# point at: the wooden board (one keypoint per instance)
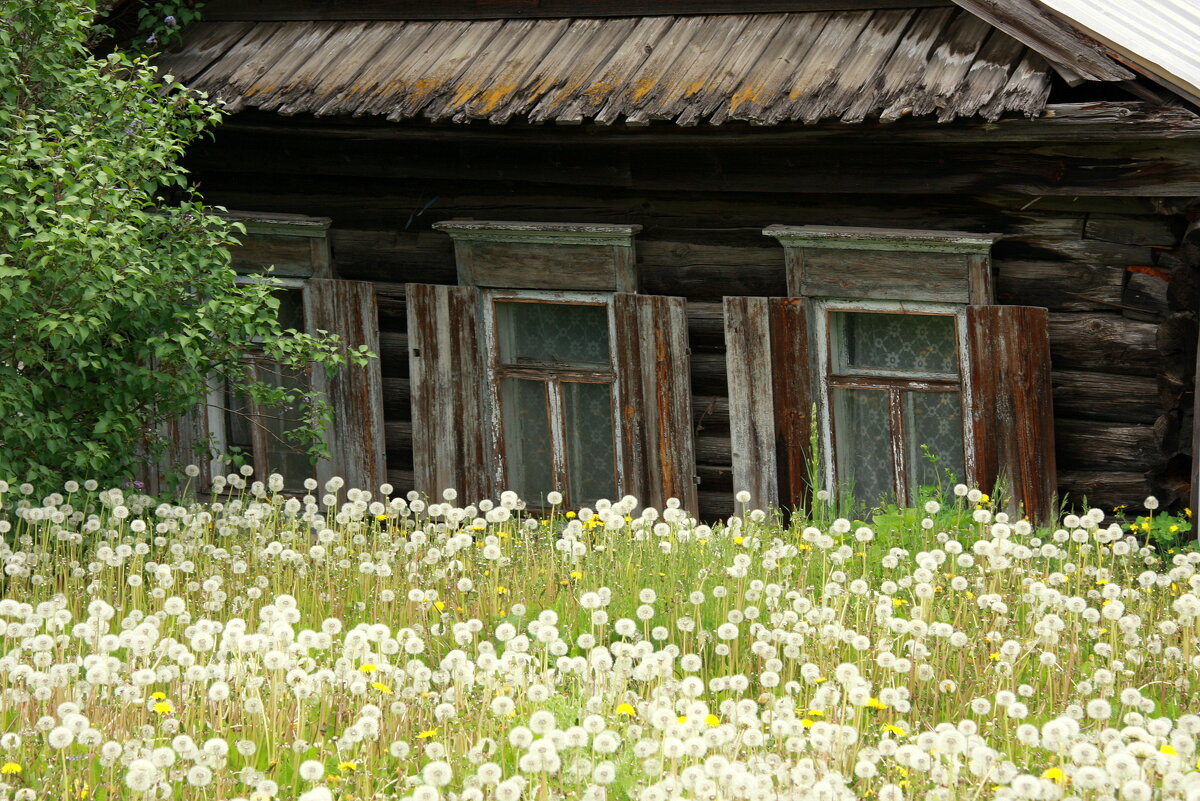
(1012, 418)
(447, 375)
(657, 452)
(505, 9)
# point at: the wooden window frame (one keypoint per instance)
(218, 398)
(829, 380)
(554, 378)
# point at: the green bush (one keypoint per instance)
(116, 306)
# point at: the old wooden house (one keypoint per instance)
(632, 246)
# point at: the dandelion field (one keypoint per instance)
(348, 646)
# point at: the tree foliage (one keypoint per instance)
(116, 306)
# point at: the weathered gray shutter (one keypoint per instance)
(446, 374)
(770, 398)
(657, 453)
(1012, 411)
(355, 440)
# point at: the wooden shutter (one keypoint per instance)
(770, 398)
(446, 369)
(355, 440)
(657, 452)
(1012, 412)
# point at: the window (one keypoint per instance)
(895, 396)
(297, 248)
(568, 381)
(259, 433)
(554, 389)
(892, 337)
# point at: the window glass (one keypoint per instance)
(863, 430)
(552, 334)
(591, 451)
(915, 344)
(281, 455)
(934, 419)
(291, 308)
(527, 441)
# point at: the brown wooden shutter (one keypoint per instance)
(657, 455)
(355, 440)
(1012, 411)
(770, 398)
(447, 380)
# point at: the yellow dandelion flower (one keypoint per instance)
(994, 656)
(575, 574)
(984, 497)
(626, 709)
(346, 767)
(1168, 750)
(898, 602)
(682, 718)
(501, 590)
(896, 730)
(712, 720)
(818, 680)
(438, 605)
(159, 696)
(815, 713)
(383, 688)
(381, 517)
(875, 703)
(1054, 774)
(570, 515)
(806, 723)
(662, 575)
(164, 707)
(738, 540)
(425, 735)
(368, 667)
(10, 768)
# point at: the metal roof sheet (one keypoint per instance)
(1160, 38)
(758, 68)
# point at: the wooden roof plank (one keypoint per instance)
(747, 51)
(820, 63)
(762, 68)
(947, 67)
(590, 55)
(693, 69)
(208, 42)
(989, 74)
(415, 77)
(277, 78)
(904, 68)
(624, 61)
(561, 64)
(652, 72)
(767, 80)
(220, 77)
(370, 66)
(326, 74)
(1026, 92)
(859, 68)
(1037, 28)
(507, 93)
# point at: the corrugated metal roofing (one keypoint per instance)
(1159, 37)
(760, 68)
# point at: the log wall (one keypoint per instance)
(1083, 236)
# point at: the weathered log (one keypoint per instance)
(1087, 444)
(1103, 342)
(1106, 397)
(1145, 296)
(1102, 489)
(1059, 285)
(1146, 230)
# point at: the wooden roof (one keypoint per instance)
(765, 68)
